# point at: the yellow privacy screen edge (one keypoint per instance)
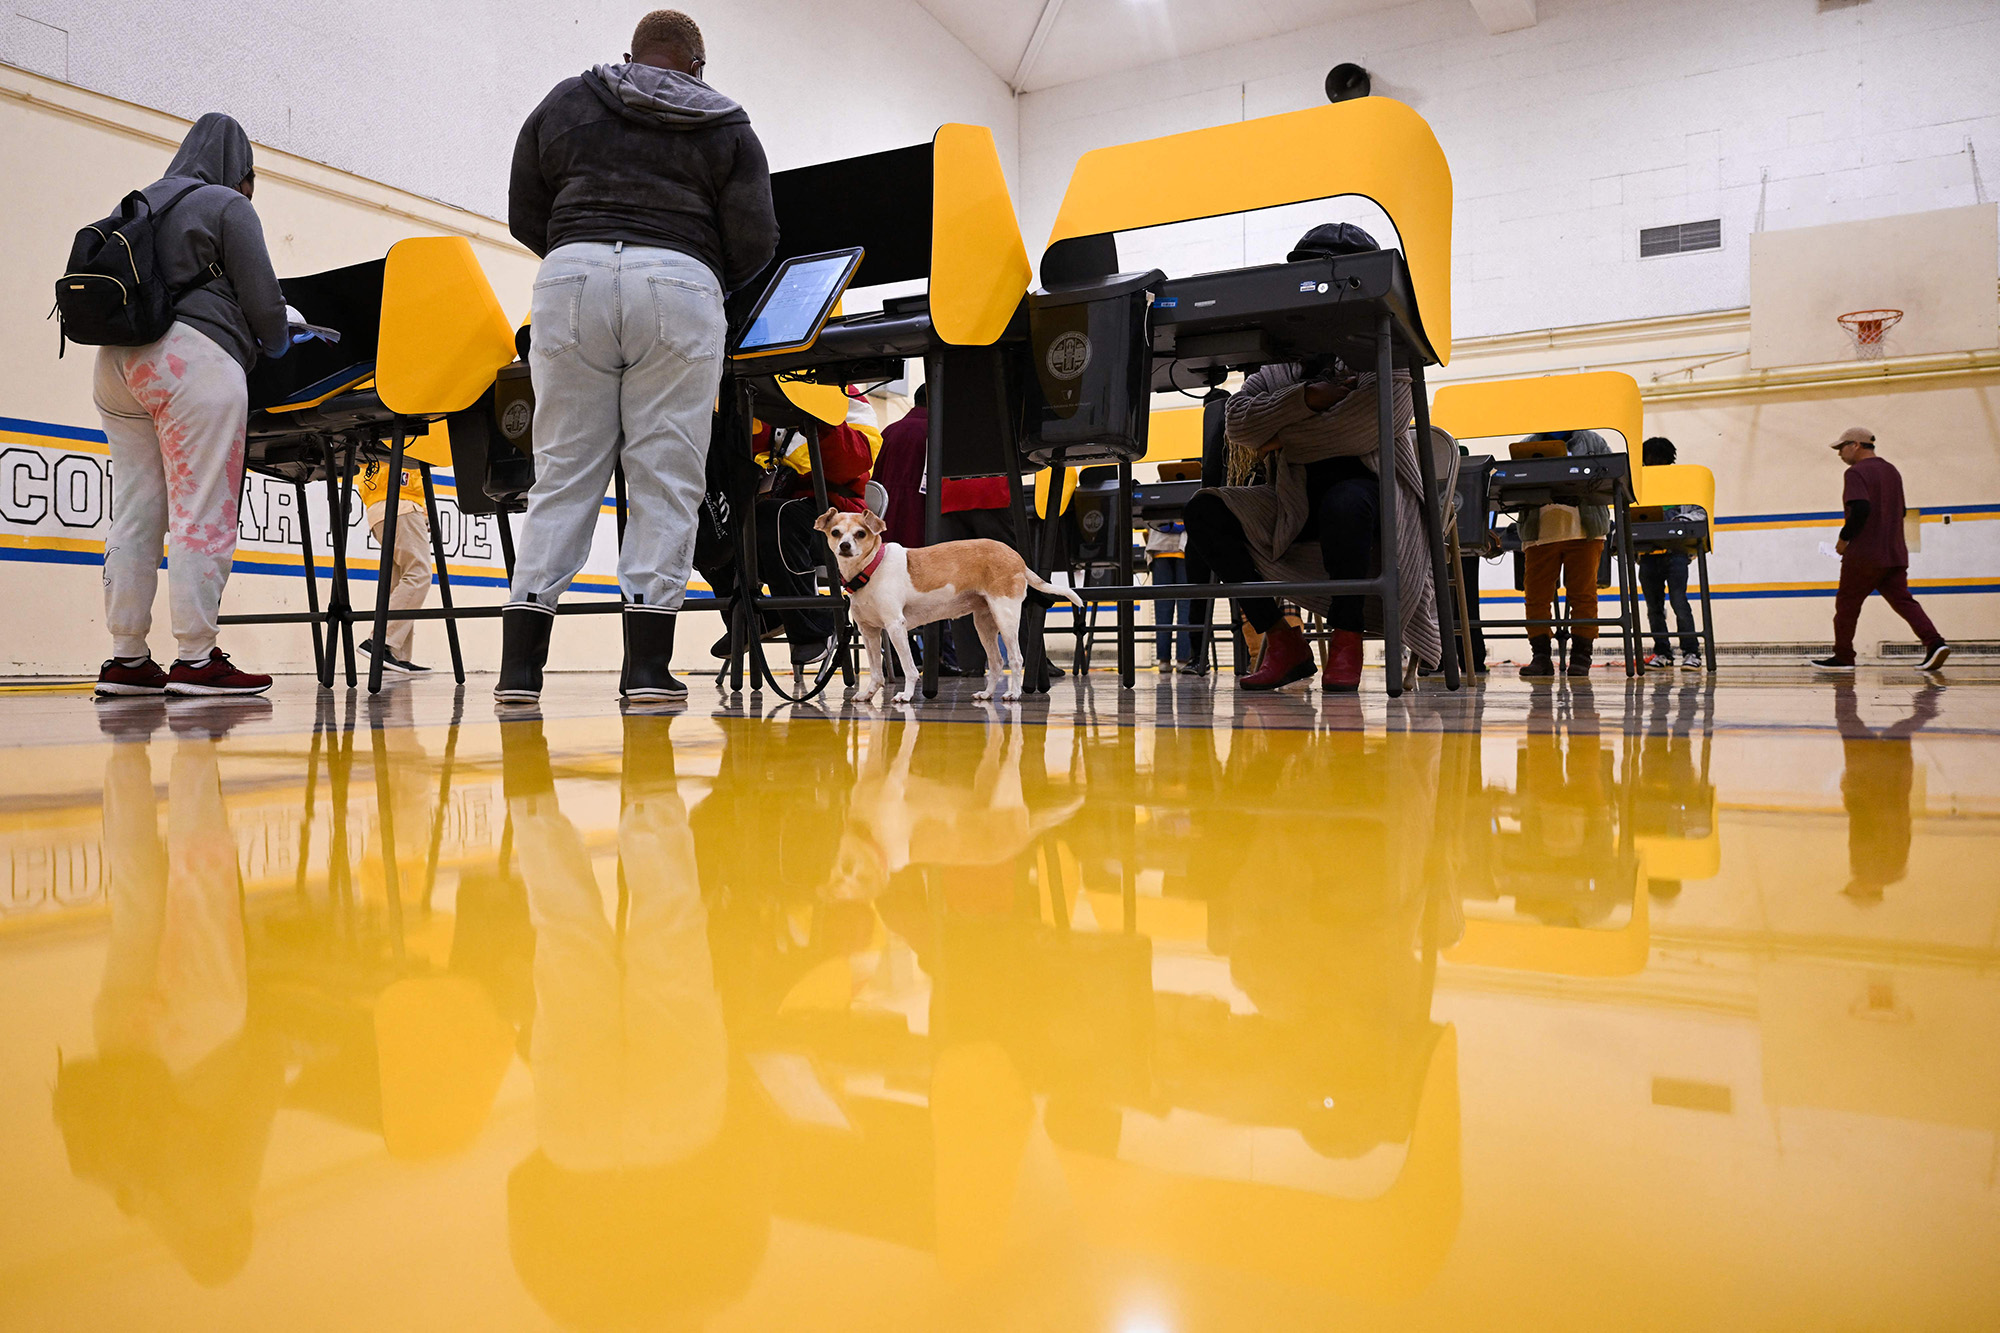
(1595, 400)
(444, 336)
(1375, 147)
(979, 265)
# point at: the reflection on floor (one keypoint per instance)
(1664, 1003)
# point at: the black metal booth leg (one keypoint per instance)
(1128, 639)
(443, 575)
(312, 578)
(934, 510)
(1707, 614)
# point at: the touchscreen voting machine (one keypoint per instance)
(796, 304)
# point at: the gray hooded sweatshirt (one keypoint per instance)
(244, 309)
(646, 156)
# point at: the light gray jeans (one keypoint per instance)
(173, 412)
(626, 357)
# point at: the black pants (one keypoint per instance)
(1344, 508)
(787, 543)
(994, 525)
(1468, 568)
(1664, 574)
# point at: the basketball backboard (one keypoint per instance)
(1941, 269)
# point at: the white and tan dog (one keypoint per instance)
(890, 588)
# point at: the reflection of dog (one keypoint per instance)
(897, 817)
(891, 588)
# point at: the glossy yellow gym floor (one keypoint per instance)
(1671, 1004)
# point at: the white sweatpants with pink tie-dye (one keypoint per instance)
(174, 413)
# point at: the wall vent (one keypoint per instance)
(1680, 238)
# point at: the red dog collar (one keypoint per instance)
(860, 581)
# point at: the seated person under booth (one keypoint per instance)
(788, 549)
(1315, 431)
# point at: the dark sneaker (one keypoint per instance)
(1830, 664)
(143, 676)
(390, 662)
(811, 651)
(1935, 659)
(215, 675)
(1192, 669)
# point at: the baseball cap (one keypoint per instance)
(1854, 435)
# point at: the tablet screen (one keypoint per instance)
(798, 301)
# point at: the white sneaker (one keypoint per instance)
(1659, 662)
(1694, 662)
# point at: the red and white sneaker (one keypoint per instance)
(216, 675)
(137, 676)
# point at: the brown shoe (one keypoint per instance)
(1540, 665)
(1287, 657)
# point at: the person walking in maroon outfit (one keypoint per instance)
(1873, 555)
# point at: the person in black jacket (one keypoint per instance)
(647, 195)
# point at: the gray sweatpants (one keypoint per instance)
(174, 413)
(627, 355)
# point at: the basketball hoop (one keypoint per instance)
(1868, 326)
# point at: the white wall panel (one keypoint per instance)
(428, 97)
(1607, 116)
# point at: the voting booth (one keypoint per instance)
(421, 336)
(1386, 310)
(1594, 400)
(937, 213)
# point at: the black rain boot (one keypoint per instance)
(1540, 665)
(1579, 658)
(524, 650)
(649, 655)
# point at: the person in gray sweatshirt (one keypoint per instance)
(647, 195)
(174, 413)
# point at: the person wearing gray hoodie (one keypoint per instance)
(647, 195)
(174, 413)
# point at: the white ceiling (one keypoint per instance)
(1080, 39)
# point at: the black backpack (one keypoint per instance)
(112, 295)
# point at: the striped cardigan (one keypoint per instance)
(1272, 406)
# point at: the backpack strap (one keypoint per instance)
(213, 271)
(210, 274)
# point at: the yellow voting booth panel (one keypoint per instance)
(979, 265)
(1682, 484)
(444, 336)
(1595, 400)
(1374, 147)
(1174, 437)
